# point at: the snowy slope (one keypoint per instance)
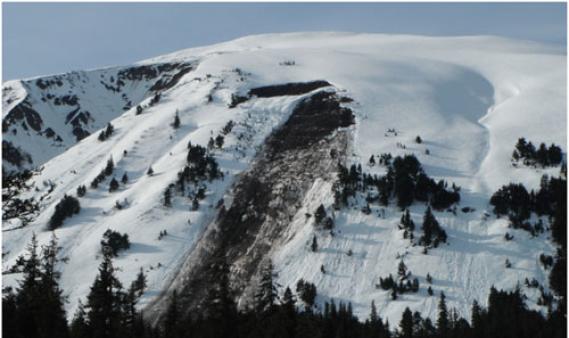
(469, 98)
(42, 117)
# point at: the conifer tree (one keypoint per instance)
(477, 314)
(432, 232)
(406, 324)
(150, 171)
(81, 190)
(267, 292)
(402, 270)
(79, 327)
(167, 197)
(319, 214)
(110, 167)
(52, 316)
(105, 301)
(314, 245)
(176, 123)
(171, 326)
(443, 319)
(113, 185)
(124, 178)
(139, 284)
(219, 139)
(29, 293)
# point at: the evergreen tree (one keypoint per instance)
(432, 231)
(167, 197)
(105, 301)
(402, 270)
(319, 214)
(477, 316)
(81, 190)
(52, 316)
(150, 171)
(38, 302)
(139, 284)
(443, 319)
(371, 161)
(542, 155)
(124, 178)
(555, 155)
(113, 242)
(220, 307)
(171, 326)
(110, 167)
(114, 185)
(29, 293)
(176, 123)
(406, 324)
(267, 293)
(314, 245)
(307, 293)
(219, 139)
(67, 207)
(79, 327)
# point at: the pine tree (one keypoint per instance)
(477, 316)
(407, 222)
(211, 144)
(176, 123)
(195, 204)
(105, 301)
(432, 232)
(150, 171)
(373, 317)
(267, 292)
(219, 139)
(171, 326)
(67, 207)
(220, 307)
(79, 327)
(167, 197)
(109, 131)
(406, 324)
(314, 245)
(371, 161)
(81, 190)
(402, 270)
(319, 214)
(139, 284)
(124, 178)
(443, 319)
(114, 185)
(29, 293)
(110, 167)
(52, 315)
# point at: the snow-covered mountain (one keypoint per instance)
(468, 98)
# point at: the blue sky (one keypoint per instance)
(46, 38)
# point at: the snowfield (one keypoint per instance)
(469, 99)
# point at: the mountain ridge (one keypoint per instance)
(463, 96)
